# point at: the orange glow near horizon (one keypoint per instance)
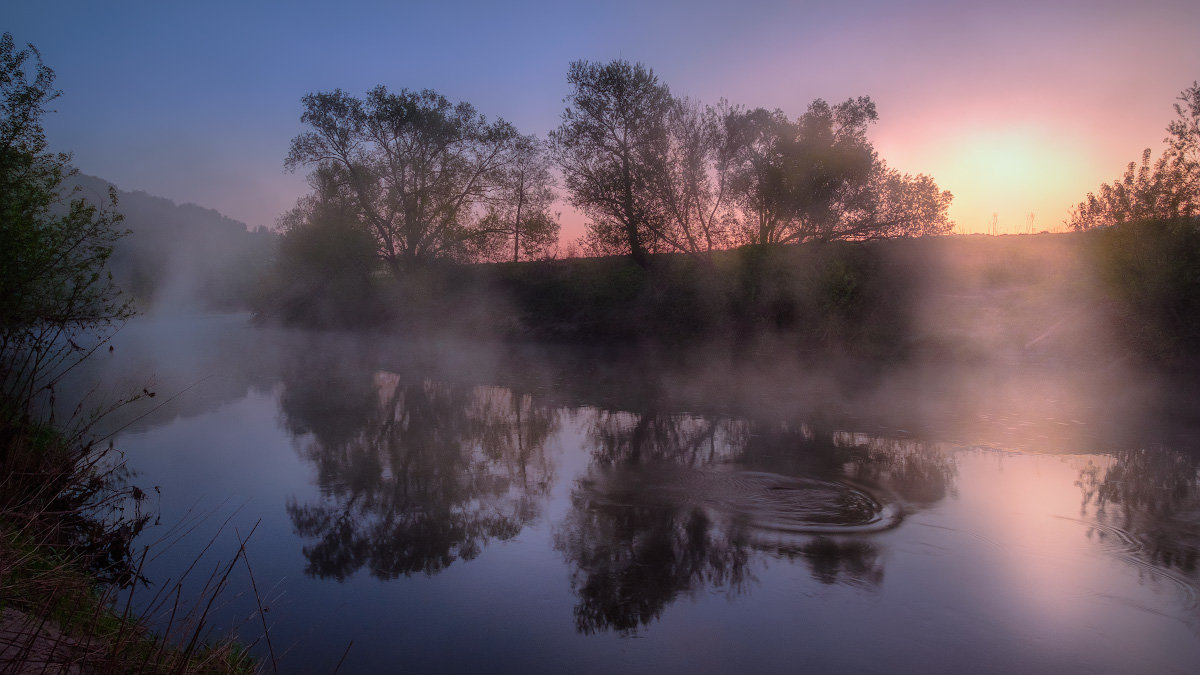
(1013, 174)
(1010, 171)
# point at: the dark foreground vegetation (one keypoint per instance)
(68, 516)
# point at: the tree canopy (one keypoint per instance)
(818, 178)
(611, 147)
(519, 222)
(1165, 189)
(54, 289)
(654, 172)
(414, 169)
(428, 179)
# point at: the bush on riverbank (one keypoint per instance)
(839, 296)
(1150, 272)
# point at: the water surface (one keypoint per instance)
(460, 506)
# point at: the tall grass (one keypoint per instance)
(69, 572)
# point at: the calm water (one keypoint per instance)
(436, 506)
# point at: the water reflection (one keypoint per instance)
(849, 511)
(414, 475)
(674, 504)
(632, 554)
(1147, 501)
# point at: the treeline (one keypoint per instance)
(405, 183)
(427, 180)
(703, 221)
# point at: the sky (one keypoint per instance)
(1018, 108)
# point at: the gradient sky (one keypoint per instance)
(1016, 107)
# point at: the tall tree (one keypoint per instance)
(611, 147)
(1165, 189)
(418, 167)
(694, 191)
(519, 221)
(818, 178)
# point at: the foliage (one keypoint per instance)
(1167, 188)
(518, 219)
(656, 173)
(1150, 271)
(412, 168)
(693, 190)
(818, 178)
(55, 295)
(323, 273)
(611, 147)
(839, 297)
(57, 305)
(55, 618)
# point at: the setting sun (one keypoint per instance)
(1012, 173)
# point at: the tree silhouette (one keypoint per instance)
(519, 222)
(1165, 189)
(818, 178)
(415, 167)
(56, 295)
(611, 147)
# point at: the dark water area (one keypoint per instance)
(467, 506)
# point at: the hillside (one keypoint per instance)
(182, 256)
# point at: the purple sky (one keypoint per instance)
(1016, 107)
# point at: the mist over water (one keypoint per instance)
(966, 502)
(966, 506)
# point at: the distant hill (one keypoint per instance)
(180, 257)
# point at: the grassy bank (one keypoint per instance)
(68, 571)
(1128, 290)
(57, 616)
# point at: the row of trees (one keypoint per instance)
(425, 179)
(658, 173)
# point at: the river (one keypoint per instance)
(459, 505)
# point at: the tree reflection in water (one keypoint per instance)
(1149, 501)
(633, 552)
(414, 475)
(678, 503)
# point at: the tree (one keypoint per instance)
(518, 220)
(58, 305)
(326, 259)
(418, 168)
(1167, 189)
(611, 147)
(693, 190)
(56, 296)
(818, 178)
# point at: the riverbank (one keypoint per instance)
(1126, 292)
(68, 572)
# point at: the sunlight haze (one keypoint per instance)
(1016, 108)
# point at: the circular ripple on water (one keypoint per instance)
(792, 504)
